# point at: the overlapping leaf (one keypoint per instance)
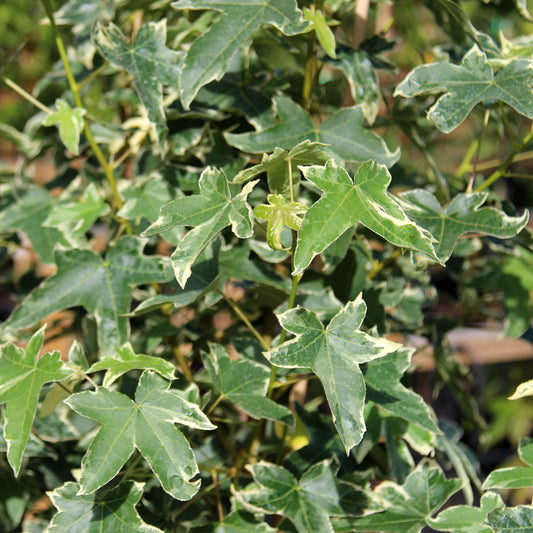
(461, 215)
(70, 123)
(22, 375)
(208, 213)
(150, 63)
(236, 522)
(103, 287)
(111, 510)
(517, 519)
(343, 132)
(145, 201)
(128, 360)
(211, 53)
(468, 84)
(307, 503)
(409, 506)
(146, 423)
(334, 354)
(383, 386)
(28, 215)
(466, 519)
(346, 202)
(245, 383)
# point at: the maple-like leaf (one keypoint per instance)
(102, 286)
(245, 383)
(145, 201)
(22, 375)
(461, 215)
(334, 354)
(146, 423)
(278, 214)
(208, 212)
(467, 519)
(383, 386)
(28, 215)
(210, 54)
(150, 63)
(343, 132)
(128, 360)
(468, 84)
(111, 510)
(70, 123)
(409, 506)
(236, 522)
(282, 165)
(346, 202)
(307, 502)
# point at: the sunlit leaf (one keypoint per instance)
(70, 123)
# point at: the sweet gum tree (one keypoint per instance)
(247, 219)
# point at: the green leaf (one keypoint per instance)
(466, 519)
(236, 522)
(204, 274)
(323, 32)
(22, 376)
(346, 202)
(82, 14)
(210, 54)
(75, 218)
(334, 354)
(276, 165)
(208, 213)
(384, 387)
(278, 214)
(245, 383)
(150, 63)
(359, 72)
(128, 360)
(146, 423)
(28, 215)
(307, 503)
(343, 131)
(70, 123)
(460, 216)
(145, 201)
(468, 84)
(521, 6)
(103, 287)
(110, 510)
(409, 506)
(512, 519)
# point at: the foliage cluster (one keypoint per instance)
(246, 261)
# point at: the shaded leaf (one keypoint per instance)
(343, 132)
(146, 423)
(468, 84)
(334, 354)
(103, 287)
(70, 123)
(28, 215)
(208, 212)
(460, 216)
(307, 503)
(236, 522)
(409, 506)
(145, 201)
(111, 510)
(150, 63)
(22, 376)
(346, 202)
(128, 360)
(384, 387)
(207, 59)
(245, 383)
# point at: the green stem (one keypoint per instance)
(478, 151)
(500, 171)
(18, 89)
(92, 75)
(75, 88)
(309, 76)
(244, 318)
(183, 363)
